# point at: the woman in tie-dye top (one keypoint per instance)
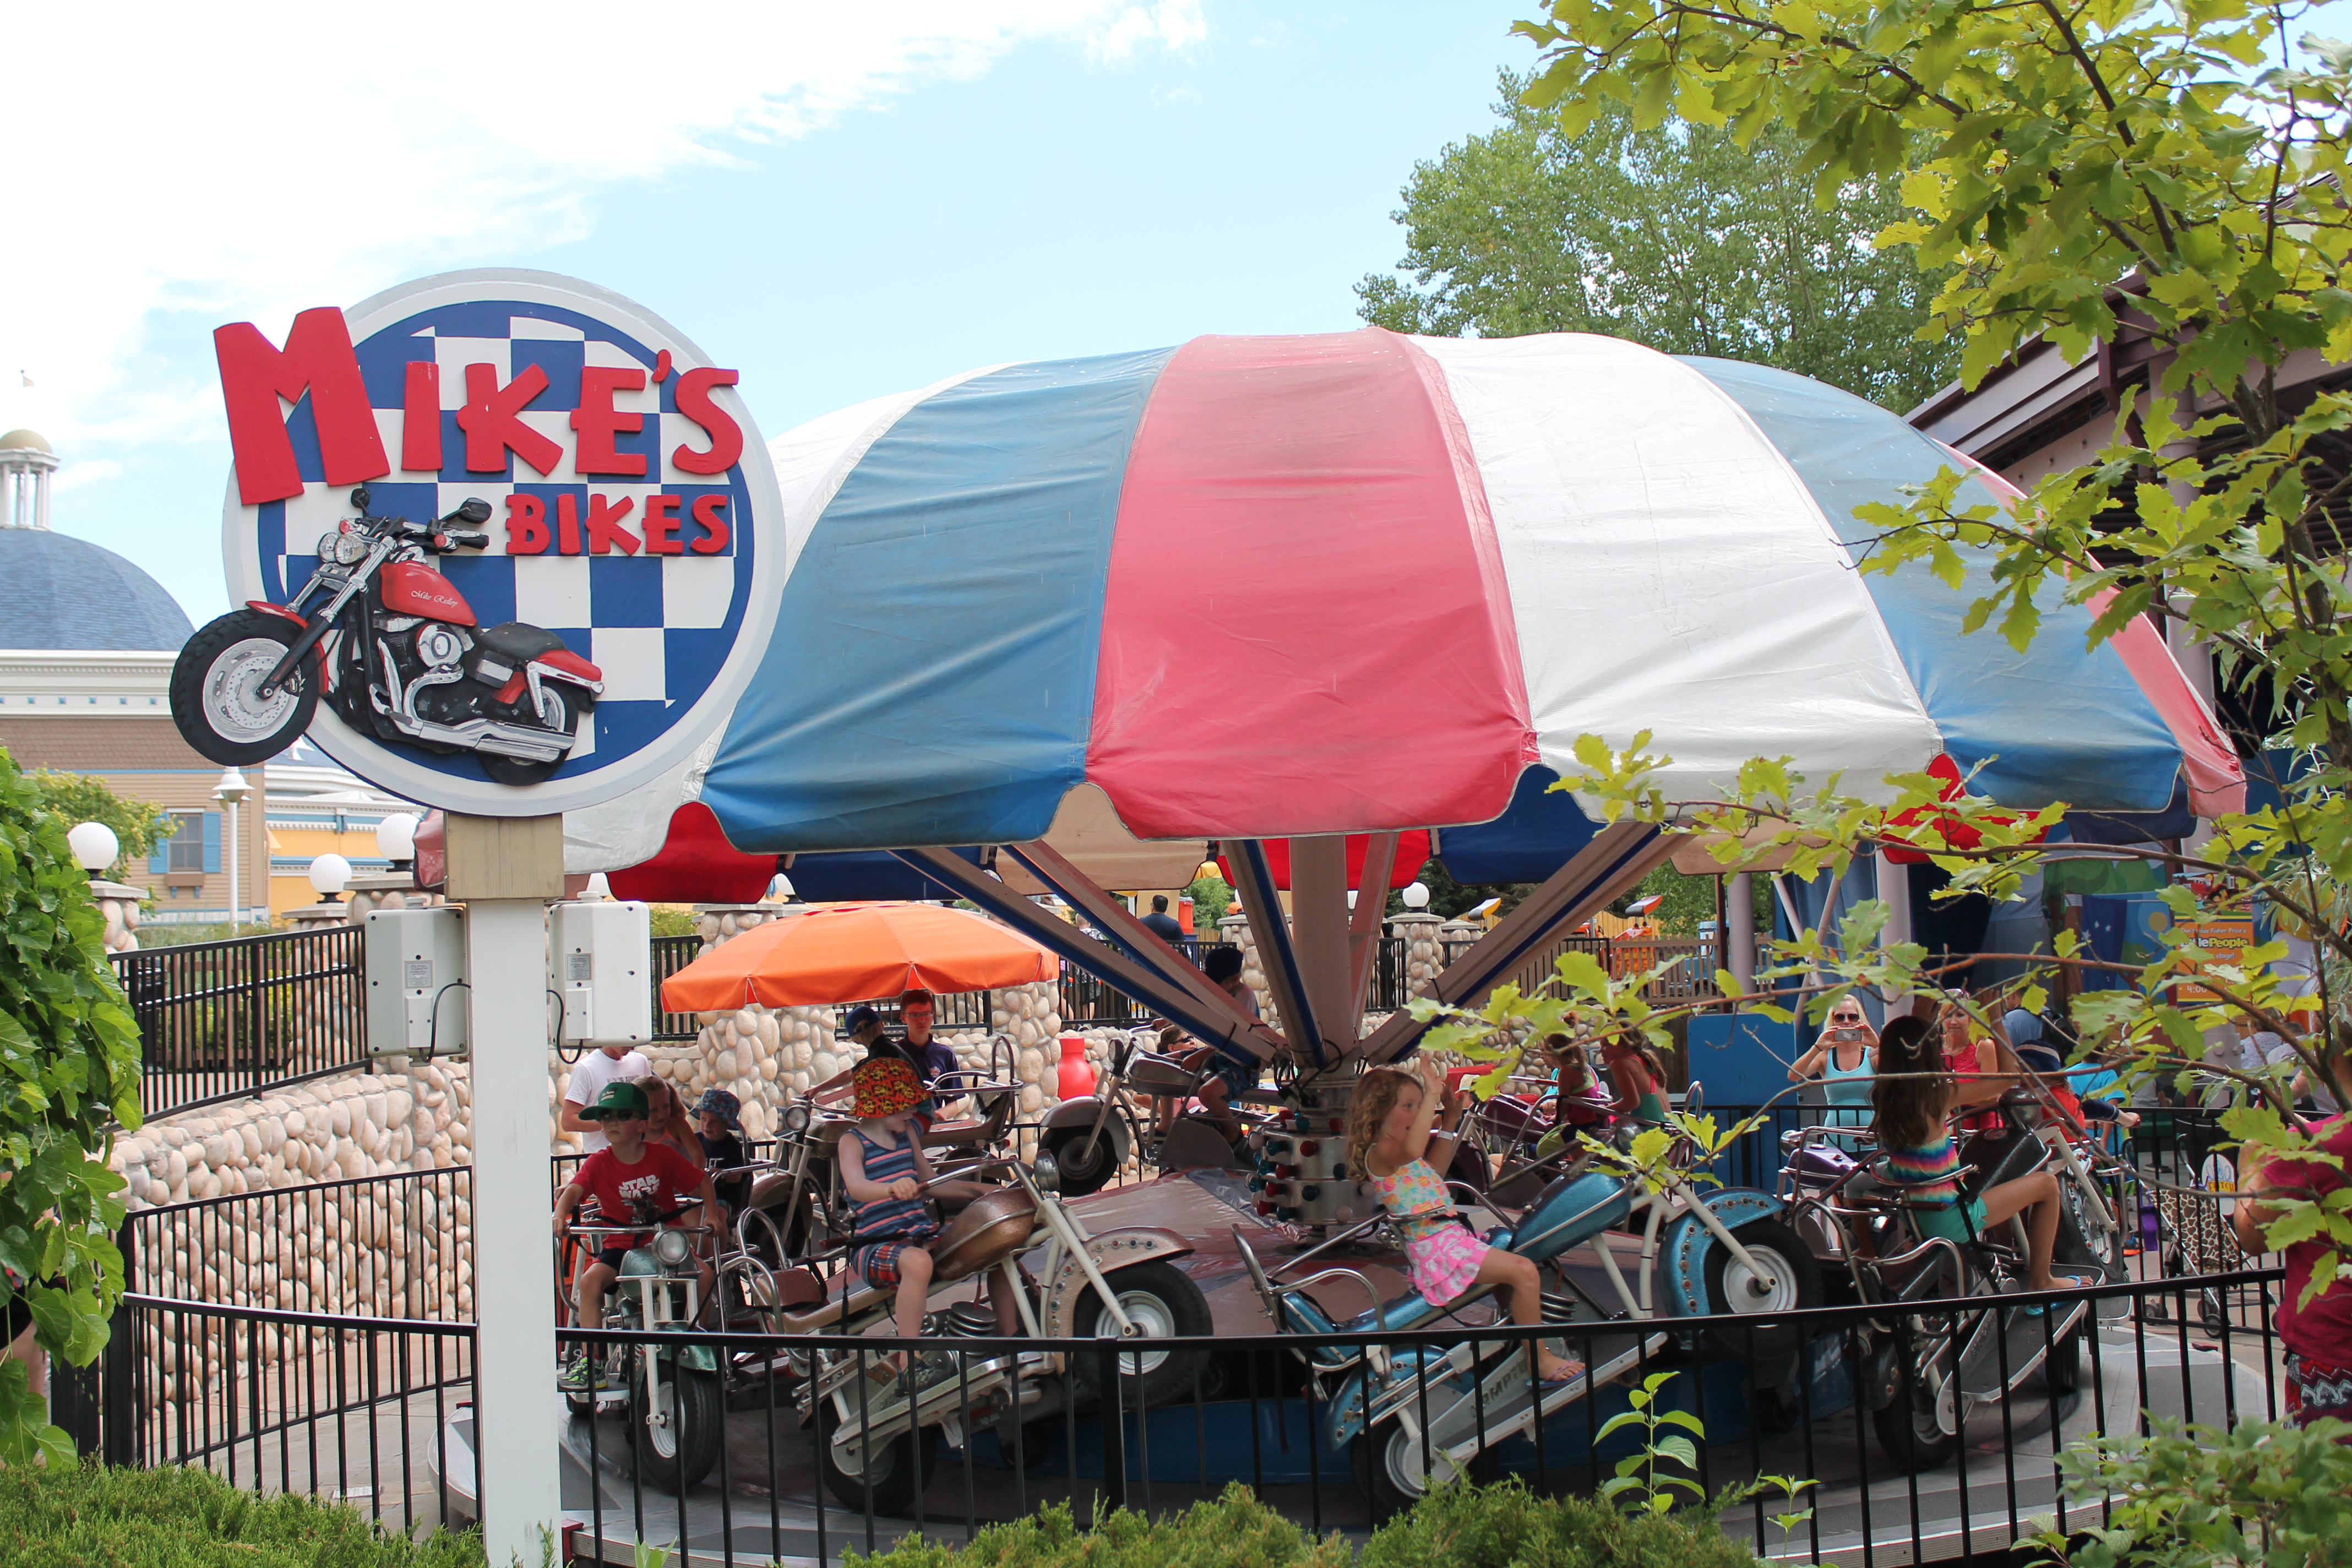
(1915, 1098)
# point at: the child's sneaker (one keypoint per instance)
(578, 1374)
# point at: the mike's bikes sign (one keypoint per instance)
(507, 544)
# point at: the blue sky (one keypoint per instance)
(1062, 177)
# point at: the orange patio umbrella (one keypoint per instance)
(856, 950)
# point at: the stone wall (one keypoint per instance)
(119, 902)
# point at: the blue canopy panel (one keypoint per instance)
(2050, 723)
(1538, 832)
(860, 874)
(931, 676)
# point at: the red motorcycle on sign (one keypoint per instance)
(395, 648)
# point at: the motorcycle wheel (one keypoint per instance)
(898, 1470)
(1161, 1300)
(1919, 1428)
(1089, 1175)
(676, 1436)
(1389, 1473)
(1792, 1283)
(213, 689)
(559, 710)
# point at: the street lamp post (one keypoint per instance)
(94, 847)
(231, 790)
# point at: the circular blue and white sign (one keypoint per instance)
(587, 633)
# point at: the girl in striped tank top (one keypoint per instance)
(884, 1171)
(1915, 1099)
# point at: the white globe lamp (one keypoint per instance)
(328, 873)
(1416, 895)
(94, 847)
(395, 837)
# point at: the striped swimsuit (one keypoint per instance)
(887, 1227)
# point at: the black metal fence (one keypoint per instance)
(376, 1412)
(221, 1019)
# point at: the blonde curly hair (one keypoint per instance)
(1376, 1095)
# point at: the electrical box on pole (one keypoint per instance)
(416, 1003)
(600, 965)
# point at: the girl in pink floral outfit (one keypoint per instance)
(1391, 1125)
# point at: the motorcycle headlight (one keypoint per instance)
(671, 1249)
(796, 1118)
(1046, 1172)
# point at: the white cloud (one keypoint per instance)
(241, 162)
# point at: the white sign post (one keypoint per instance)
(509, 545)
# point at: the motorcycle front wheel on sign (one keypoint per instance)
(677, 1430)
(216, 689)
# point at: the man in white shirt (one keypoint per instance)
(590, 1074)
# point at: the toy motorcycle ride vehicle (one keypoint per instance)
(1090, 1136)
(395, 648)
(675, 1412)
(1423, 1415)
(797, 1207)
(1922, 1375)
(879, 1440)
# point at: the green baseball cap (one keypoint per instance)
(619, 1099)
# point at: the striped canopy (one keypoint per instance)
(1261, 586)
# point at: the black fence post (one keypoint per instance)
(1114, 1421)
(118, 1365)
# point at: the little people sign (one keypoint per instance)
(508, 544)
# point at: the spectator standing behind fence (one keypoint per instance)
(2317, 1334)
(1161, 923)
(1842, 1059)
(590, 1075)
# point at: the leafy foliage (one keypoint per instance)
(2208, 1496)
(2120, 175)
(1210, 897)
(74, 1514)
(1686, 901)
(1672, 234)
(76, 798)
(1507, 1526)
(1234, 1531)
(68, 1069)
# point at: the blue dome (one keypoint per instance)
(58, 592)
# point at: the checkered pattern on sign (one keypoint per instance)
(658, 627)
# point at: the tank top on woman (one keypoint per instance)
(1962, 1064)
(885, 1217)
(1848, 1093)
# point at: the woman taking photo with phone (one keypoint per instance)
(1841, 1061)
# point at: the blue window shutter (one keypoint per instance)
(159, 858)
(212, 841)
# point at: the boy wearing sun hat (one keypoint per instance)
(885, 1172)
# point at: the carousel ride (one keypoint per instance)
(1319, 606)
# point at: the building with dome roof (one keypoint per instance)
(87, 643)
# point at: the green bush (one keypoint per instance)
(1236, 1530)
(2206, 1497)
(1507, 1526)
(1502, 1526)
(90, 1517)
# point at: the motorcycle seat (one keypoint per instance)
(1406, 1312)
(517, 640)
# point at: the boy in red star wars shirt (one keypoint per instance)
(631, 1181)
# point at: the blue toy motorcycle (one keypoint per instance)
(1667, 1248)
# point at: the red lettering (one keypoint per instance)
(567, 524)
(715, 530)
(526, 525)
(661, 526)
(318, 359)
(725, 436)
(605, 530)
(661, 365)
(598, 421)
(420, 417)
(490, 426)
